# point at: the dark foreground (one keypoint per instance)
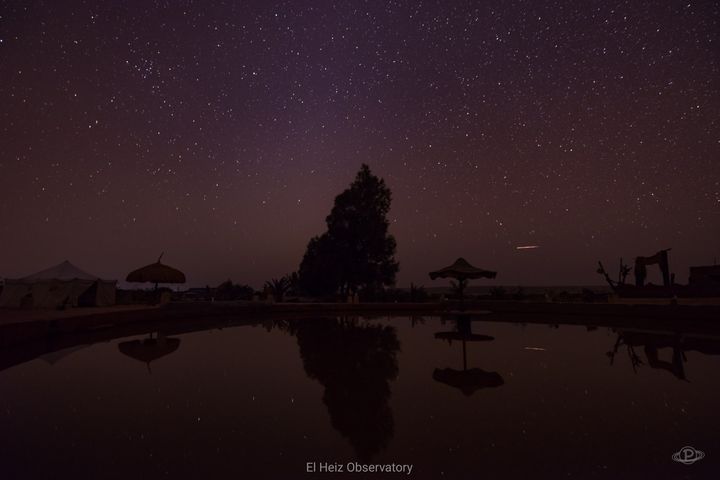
(484, 396)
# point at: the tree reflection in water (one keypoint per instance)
(355, 362)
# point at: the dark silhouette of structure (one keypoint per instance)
(705, 277)
(652, 343)
(704, 281)
(660, 259)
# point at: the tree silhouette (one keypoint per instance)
(356, 251)
(230, 291)
(320, 271)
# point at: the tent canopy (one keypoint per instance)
(60, 286)
(61, 271)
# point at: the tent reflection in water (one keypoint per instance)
(61, 286)
(468, 381)
(54, 357)
(149, 349)
(462, 271)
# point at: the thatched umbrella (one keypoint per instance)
(156, 273)
(462, 271)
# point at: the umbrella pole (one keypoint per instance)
(464, 356)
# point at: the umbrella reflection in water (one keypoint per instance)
(468, 381)
(149, 349)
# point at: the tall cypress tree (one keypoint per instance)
(356, 252)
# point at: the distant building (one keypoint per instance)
(705, 276)
(198, 294)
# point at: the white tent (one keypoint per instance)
(63, 285)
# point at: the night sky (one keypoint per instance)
(220, 133)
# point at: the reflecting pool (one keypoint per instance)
(453, 398)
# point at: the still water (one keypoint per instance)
(454, 399)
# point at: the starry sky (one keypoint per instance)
(220, 132)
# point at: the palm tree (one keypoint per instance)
(278, 287)
(458, 287)
(417, 293)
